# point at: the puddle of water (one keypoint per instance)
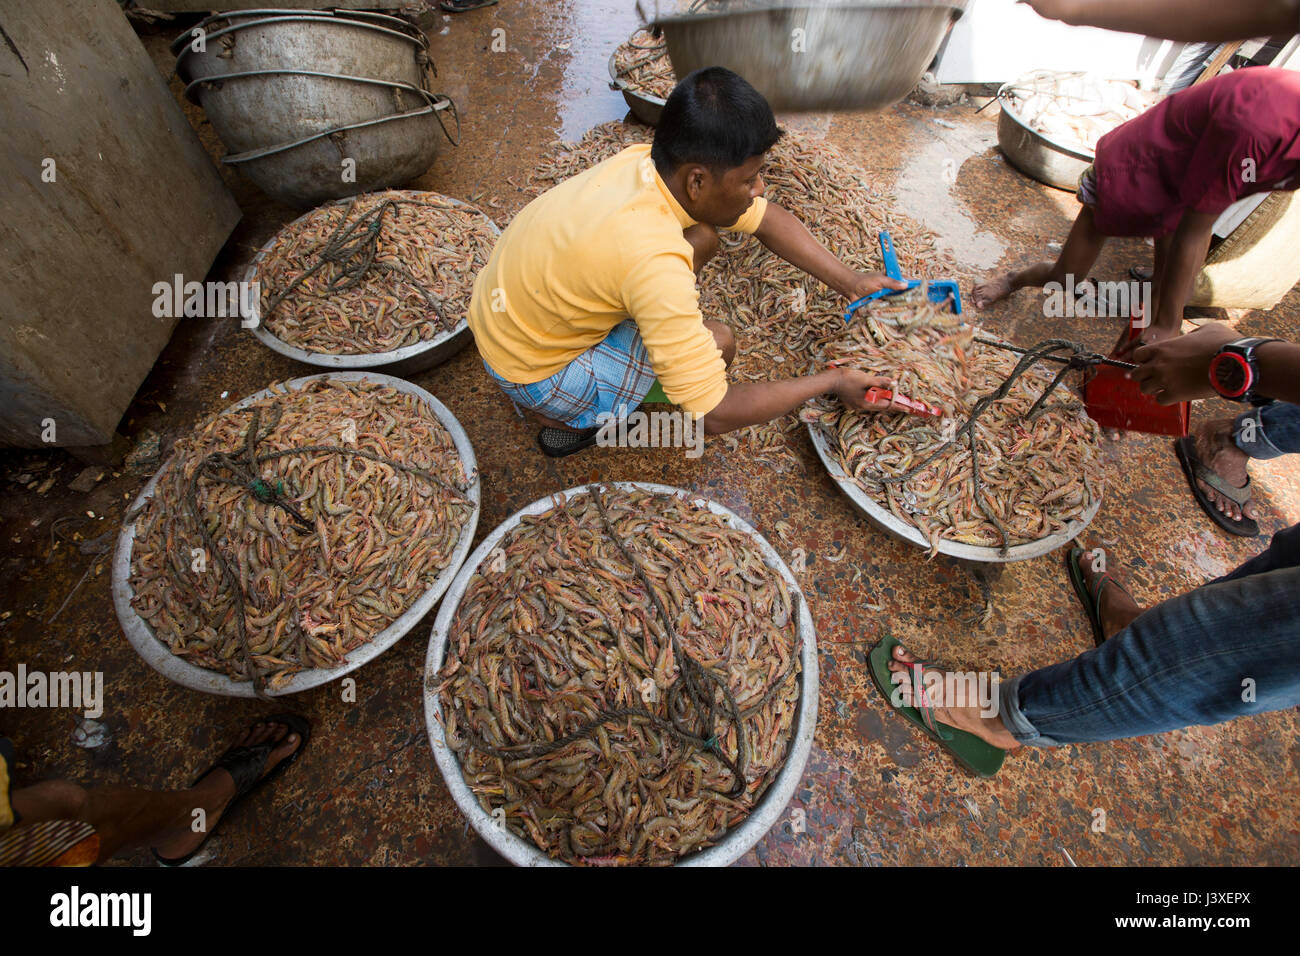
(597, 27)
(925, 192)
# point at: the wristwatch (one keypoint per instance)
(1233, 371)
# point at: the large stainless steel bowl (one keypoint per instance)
(297, 94)
(273, 76)
(882, 517)
(157, 655)
(834, 54)
(408, 360)
(738, 841)
(644, 106)
(1036, 154)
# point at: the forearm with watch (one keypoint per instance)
(1216, 359)
(1255, 370)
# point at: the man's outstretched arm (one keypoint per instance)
(753, 403)
(790, 239)
(1188, 20)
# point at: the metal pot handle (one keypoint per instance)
(440, 102)
(435, 105)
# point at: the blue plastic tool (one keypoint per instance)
(937, 290)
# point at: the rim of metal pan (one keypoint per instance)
(764, 7)
(158, 656)
(361, 360)
(236, 20)
(883, 517)
(736, 842)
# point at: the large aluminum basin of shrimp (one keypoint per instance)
(1049, 122)
(422, 341)
(500, 831)
(1025, 466)
(161, 658)
(640, 68)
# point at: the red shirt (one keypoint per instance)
(1200, 149)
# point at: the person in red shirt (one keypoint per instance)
(1169, 174)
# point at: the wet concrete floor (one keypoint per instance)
(875, 791)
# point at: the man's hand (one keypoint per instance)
(1125, 347)
(851, 388)
(751, 403)
(865, 283)
(1178, 369)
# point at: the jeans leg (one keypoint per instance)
(1224, 650)
(1269, 431)
(1283, 552)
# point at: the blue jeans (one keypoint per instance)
(1229, 648)
(1269, 431)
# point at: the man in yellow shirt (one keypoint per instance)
(590, 292)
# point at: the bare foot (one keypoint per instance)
(993, 290)
(1115, 605)
(214, 792)
(968, 715)
(1219, 453)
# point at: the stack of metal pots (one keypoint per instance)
(317, 105)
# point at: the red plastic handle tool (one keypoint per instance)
(913, 405)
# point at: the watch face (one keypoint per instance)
(1231, 374)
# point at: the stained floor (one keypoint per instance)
(874, 793)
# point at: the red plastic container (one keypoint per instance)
(1114, 401)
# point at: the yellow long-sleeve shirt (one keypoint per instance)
(583, 257)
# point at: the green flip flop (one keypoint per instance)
(1091, 600)
(977, 756)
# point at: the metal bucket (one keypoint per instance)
(837, 54)
(293, 94)
(387, 151)
(1035, 154)
(738, 841)
(644, 107)
(157, 655)
(882, 517)
(267, 79)
(408, 360)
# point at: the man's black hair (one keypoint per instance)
(715, 118)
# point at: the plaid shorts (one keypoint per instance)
(1087, 190)
(610, 377)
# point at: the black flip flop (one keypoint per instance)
(464, 5)
(1142, 273)
(559, 442)
(1194, 468)
(246, 764)
(1090, 288)
(1091, 600)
